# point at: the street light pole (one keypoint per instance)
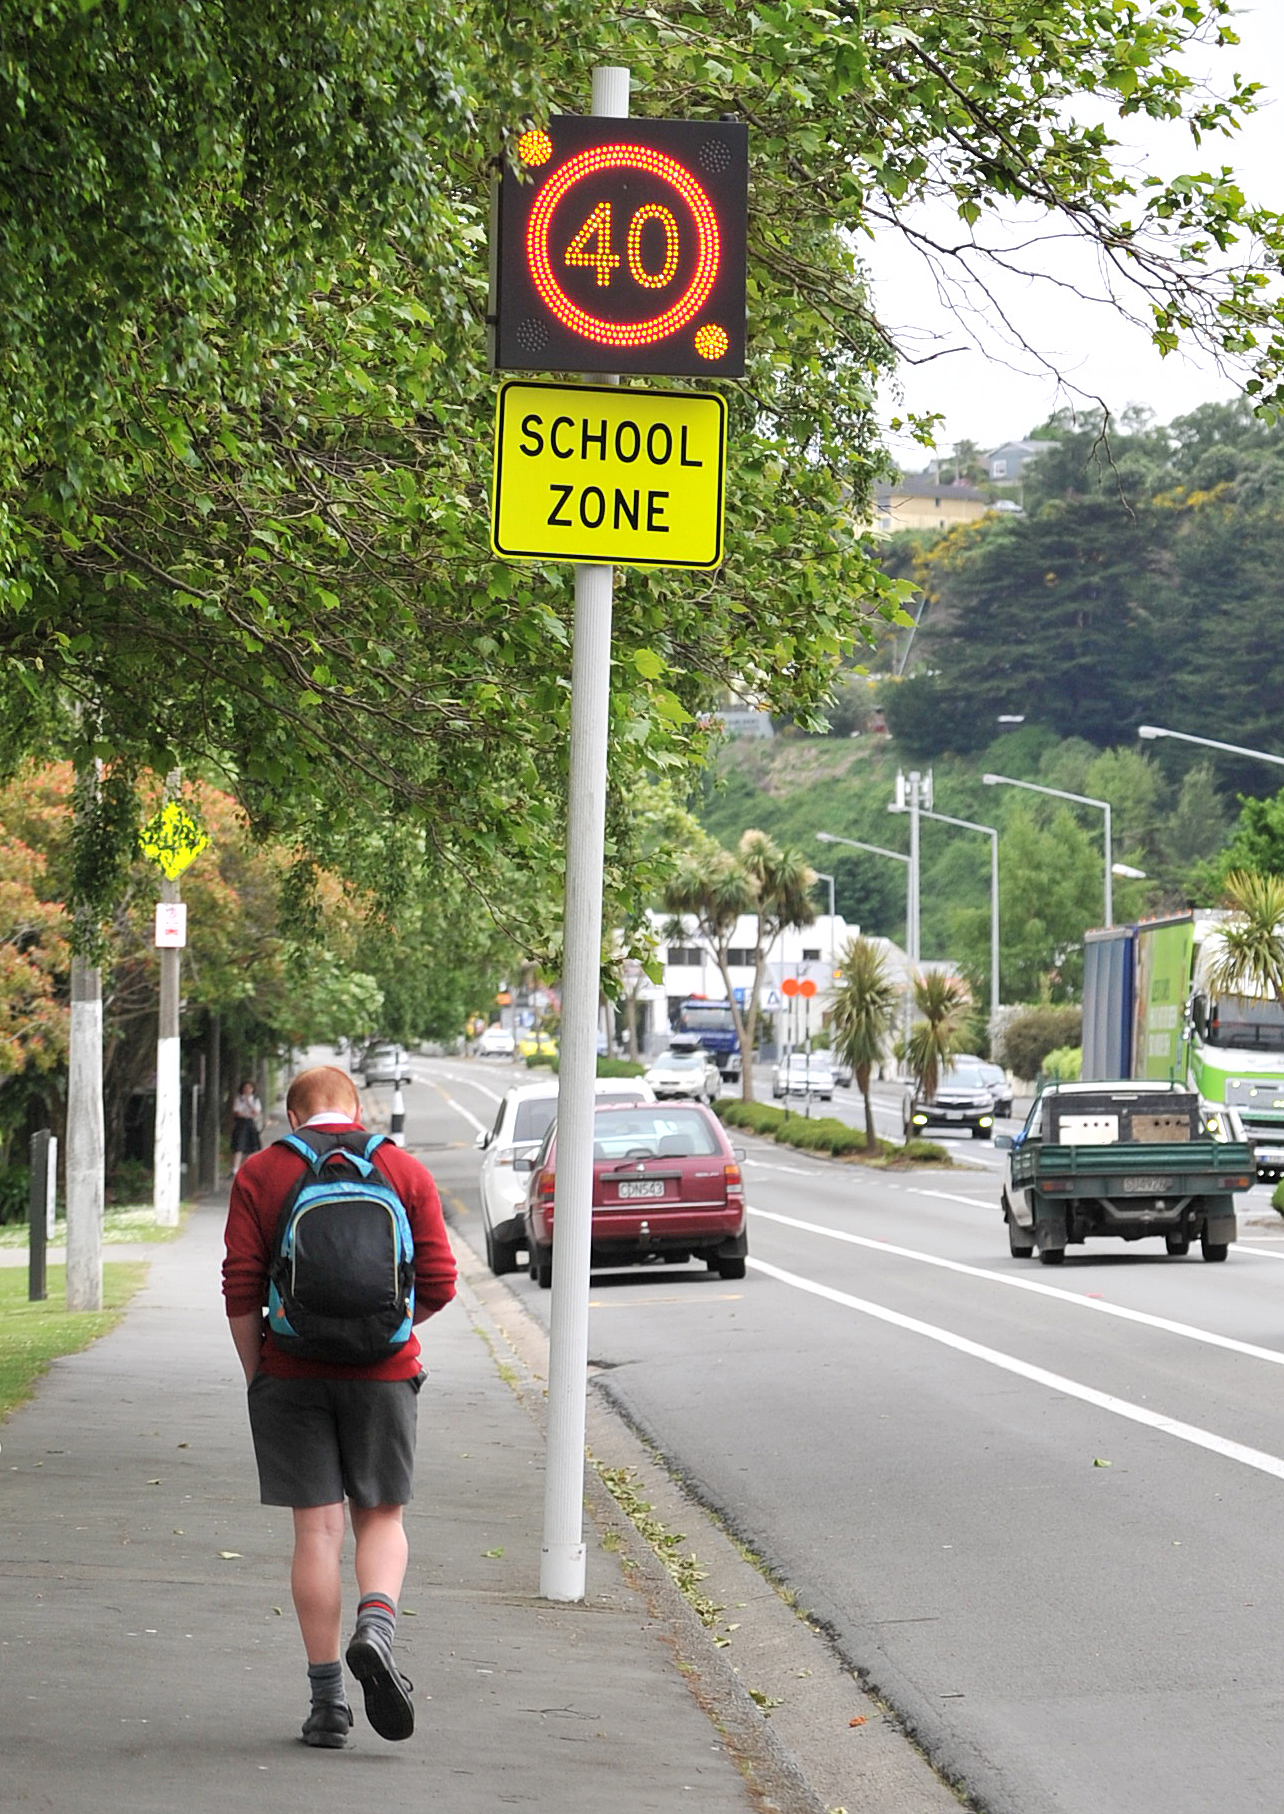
(992, 832)
(1151, 731)
(1059, 793)
(897, 856)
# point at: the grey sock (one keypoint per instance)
(378, 1612)
(327, 1684)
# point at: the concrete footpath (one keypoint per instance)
(149, 1656)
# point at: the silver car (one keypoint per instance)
(800, 1075)
(384, 1063)
(526, 1112)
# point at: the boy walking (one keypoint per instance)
(330, 1431)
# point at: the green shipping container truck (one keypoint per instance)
(1151, 1011)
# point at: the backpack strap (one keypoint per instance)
(319, 1144)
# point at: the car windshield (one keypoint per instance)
(653, 1130)
(817, 1062)
(964, 1077)
(533, 1119)
(681, 1061)
(1240, 1020)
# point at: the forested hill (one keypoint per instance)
(1144, 582)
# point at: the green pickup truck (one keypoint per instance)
(1126, 1159)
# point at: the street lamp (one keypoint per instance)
(822, 877)
(1149, 732)
(897, 856)
(992, 832)
(1059, 793)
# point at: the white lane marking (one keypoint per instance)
(455, 1078)
(1267, 1253)
(1056, 1382)
(794, 1171)
(949, 1196)
(461, 1110)
(1187, 1330)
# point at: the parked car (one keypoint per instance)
(685, 1070)
(995, 1079)
(384, 1062)
(496, 1042)
(667, 1186)
(962, 1100)
(526, 1113)
(800, 1075)
(536, 1045)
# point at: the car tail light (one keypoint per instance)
(734, 1183)
(546, 1186)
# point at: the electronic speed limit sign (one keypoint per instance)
(619, 246)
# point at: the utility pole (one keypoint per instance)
(913, 795)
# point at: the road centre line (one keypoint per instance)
(1056, 1382)
(1099, 1306)
(793, 1171)
(455, 1078)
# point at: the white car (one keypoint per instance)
(687, 1071)
(496, 1042)
(525, 1115)
(799, 1075)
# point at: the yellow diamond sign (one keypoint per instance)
(173, 839)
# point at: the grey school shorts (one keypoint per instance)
(320, 1441)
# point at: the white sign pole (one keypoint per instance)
(563, 1556)
(168, 1144)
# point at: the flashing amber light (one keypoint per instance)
(535, 148)
(649, 162)
(711, 343)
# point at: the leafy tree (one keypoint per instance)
(1256, 845)
(943, 1028)
(865, 1001)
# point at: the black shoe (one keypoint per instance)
(389, 1707)
(327, 1725)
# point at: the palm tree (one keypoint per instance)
(945, 1005)
(716, 886)
(1251, 960)
(864, 1001)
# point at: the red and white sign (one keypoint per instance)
(171, 924)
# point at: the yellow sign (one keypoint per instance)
(173, 839)
(586, 473)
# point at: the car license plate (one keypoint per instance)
(1149, 1187)
(954, 1114)
(641, 1187)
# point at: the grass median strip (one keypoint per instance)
(122, 1223)
(33, 1335)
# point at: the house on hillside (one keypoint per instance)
(925, 503)
(1008, 463)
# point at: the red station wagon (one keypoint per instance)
(666, 1186)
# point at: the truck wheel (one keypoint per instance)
(1020, 1244)
(1213, 1250)
(1051, 1256)
(1177, 1245)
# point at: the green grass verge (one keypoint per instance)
(1277, 1198)
(123, 1222)
(32, 1335)
(826, 1134)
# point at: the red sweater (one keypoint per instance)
(260, 1188)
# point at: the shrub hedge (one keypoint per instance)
(822, 1133)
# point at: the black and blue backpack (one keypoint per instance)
(341, 1283)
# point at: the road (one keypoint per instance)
(1039, 1518)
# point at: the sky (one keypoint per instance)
(998, 391)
